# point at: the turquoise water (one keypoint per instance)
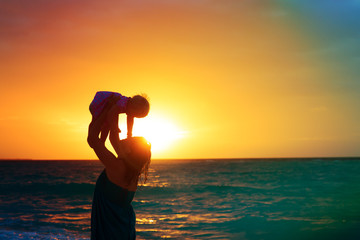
(184, 199)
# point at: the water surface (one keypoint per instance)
(185, 199)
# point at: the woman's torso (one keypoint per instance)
(112, 216)
(120, 175)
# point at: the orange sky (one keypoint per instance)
(236, 79)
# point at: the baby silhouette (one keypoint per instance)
(137, 106)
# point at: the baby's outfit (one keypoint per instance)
(101, 98)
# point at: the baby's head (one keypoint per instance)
(138, 106)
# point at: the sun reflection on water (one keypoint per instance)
(154, 180)
(177, 223)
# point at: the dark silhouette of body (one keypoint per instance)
(112, 215)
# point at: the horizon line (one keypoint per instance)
(175, 159)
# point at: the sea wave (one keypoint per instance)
(44, 234)
(68, 189)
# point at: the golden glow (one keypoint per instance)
(240, 79)
(159, 131)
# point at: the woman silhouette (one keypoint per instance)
(112, 215)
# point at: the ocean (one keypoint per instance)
(190, 199)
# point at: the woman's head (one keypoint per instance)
(138, 106)
(139, 155)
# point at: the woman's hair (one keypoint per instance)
(140, 151)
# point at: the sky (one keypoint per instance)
(225, 79)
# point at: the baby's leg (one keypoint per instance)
(105, 129)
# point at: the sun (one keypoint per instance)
(159, 131)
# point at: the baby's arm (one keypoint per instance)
(130, 123)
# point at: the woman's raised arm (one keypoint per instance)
(125, 147)
(104, 155)
(113, 120)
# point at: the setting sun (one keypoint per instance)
(159, 131)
